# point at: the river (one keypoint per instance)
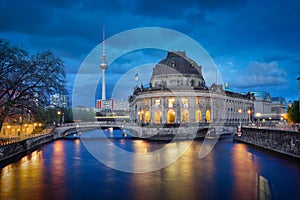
(68, 169)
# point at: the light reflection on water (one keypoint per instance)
(64, 169)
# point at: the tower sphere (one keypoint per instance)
(103, 66)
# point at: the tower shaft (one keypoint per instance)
(103, 84)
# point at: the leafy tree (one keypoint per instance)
(293, 114)
(26, 81)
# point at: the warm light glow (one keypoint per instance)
(171, 102)
(207, 115)
(58, 112)
(249, 112)
(147, 116)
(157, 117)
(8, 126)
(258, 115)
(171, 116)
(240, 110)
(157, 101)
(185, 116)
(198, 116)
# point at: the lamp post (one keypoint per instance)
(58, 117)
(249, 113)
(240, 112)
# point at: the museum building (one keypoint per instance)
(178, 94)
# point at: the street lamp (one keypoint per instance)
(58, 117)
(249, 113)
(240, 112)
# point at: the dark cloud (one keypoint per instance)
(240, 31)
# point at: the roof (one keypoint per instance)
(279, 100)
(263, 96)
(177, 63)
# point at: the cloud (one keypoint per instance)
(260, 74)
(237, 29)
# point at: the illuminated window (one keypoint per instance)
(185, 116)
(198, 116)
(157, 101)
(147, 116)
(207, 115)
(185, 101)
(198, 101)
(171, 116)
(171, 103)
(157, 117)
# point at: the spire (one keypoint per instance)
(103, 65)
(103, 45)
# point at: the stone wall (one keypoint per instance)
(13, 149)
(287, 142)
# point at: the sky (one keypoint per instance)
(254, 44)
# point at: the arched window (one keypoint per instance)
(171, 116)
(207, 115)
(185, 116)
(157, 117)
(147, 116)
(198, 116)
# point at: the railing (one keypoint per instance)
(11, 140)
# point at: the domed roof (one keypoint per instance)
(176, 63)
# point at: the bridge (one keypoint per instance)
(150, 131)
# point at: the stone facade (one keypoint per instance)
(267, 107)
(178, 95)
(287, 142)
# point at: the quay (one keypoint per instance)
(279, 140)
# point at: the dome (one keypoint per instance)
(177, 71)
(176, 63)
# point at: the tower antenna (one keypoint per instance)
(103, 66)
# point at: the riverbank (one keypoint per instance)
(13, 149)
(281, 141)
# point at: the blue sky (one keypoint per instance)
(254, 44)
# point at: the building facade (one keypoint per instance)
(267, 107)
(178, 94)
(59, 101)
(278, 108)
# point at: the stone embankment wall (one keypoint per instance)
(13, 149)
(287, 142)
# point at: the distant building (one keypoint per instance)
(262, 104)
(278, 107)
(59, 101)
(112, 105)
(267, 107)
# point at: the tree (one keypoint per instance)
(293, 114)
(26, 81)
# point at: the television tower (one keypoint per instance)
(103, 67)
